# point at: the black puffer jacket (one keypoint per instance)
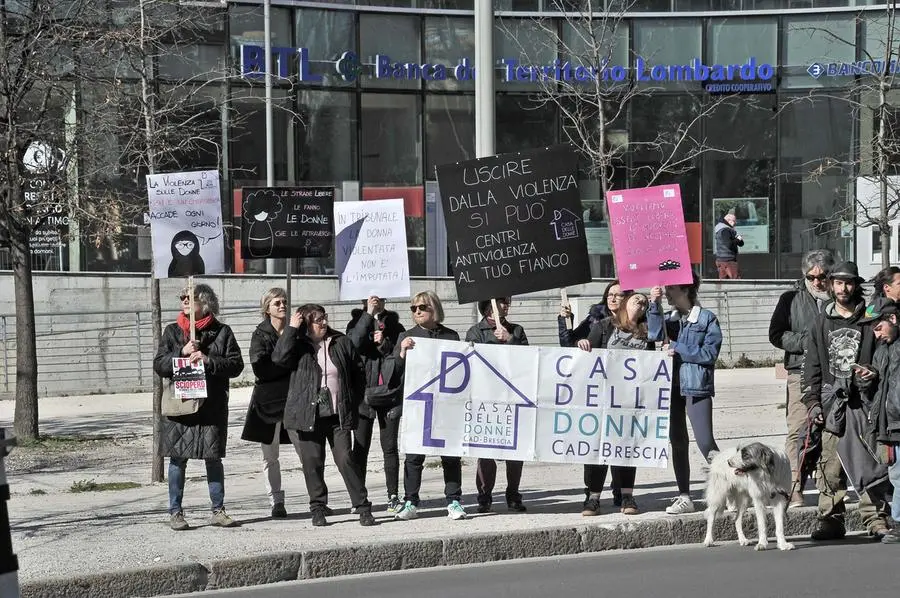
(887, 392)
(297, 353)
(271, 388)
(483, 332)
(360, 331)
(791, 322)
(201, 435)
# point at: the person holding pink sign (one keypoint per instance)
(626, 329)
(695, 339)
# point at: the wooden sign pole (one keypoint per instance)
(191, 299)
(564, 300)
(496, 313)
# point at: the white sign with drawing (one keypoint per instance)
(372, 256)
(186, 223)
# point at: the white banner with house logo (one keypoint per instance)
(537, 403)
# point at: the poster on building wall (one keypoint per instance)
(186, 223)
(286, 222)
(649, 238)
(514, 223)
(752, 215)
(550, 404)
(371, 256)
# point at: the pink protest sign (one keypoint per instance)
(648, 236)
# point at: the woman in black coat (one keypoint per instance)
(266, 410)
(200, 435)
(327, 385)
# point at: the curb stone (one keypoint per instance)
(397, 556)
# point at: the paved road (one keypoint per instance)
(854, 567)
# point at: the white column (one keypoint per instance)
(484, 79)
(270, 154)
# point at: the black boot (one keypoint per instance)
(828, 528)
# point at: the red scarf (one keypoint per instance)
(185, 323)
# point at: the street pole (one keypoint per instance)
(270, 155)
(9, 564)
(485, 107)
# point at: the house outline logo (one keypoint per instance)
(565, 224)
(428, 398)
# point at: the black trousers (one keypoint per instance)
(412, 477)
(486, 477)
(312, 456)
(389, 432)
(595, 477)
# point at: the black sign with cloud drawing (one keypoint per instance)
(514, 223)
(287, 222)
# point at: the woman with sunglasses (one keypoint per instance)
(204, 434)
(327, 385)
(626, 329)
(428, 313)
(263, 422)
(507, 333)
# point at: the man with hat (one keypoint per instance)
(839, 340)
(490, 330)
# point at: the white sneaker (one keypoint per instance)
(680, 506)
(409, 511)
(456, 511)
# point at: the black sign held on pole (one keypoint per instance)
(287, 222)
(514, 223)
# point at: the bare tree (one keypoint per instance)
(871, 101)
(593, 89)
(38, 83)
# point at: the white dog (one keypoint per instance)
(754, 472)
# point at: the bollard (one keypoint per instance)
(9, 564)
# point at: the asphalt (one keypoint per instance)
(116, 543)
(853, 567)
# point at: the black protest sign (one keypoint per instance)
(286, 222)
(514, 223)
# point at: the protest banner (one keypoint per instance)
(533, 403)
(286, 222)
(189, 379)
(650, 244)
(514, 224)
(371, 256)
(186, 223)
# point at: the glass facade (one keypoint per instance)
(384, 92)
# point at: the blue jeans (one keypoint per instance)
(894, 475)
(215, 477)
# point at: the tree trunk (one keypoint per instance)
(156, 472)
(26, 410)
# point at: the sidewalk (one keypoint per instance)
(63, 536)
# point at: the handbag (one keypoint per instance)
(172, 406)
(324, 407)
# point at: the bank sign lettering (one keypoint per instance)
(849, 69)
(750, 76)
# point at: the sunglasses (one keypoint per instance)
(183, 297)
(420, 307)
(818, 277)
(279, 302)
(320, 321)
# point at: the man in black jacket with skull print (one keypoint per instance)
(838, 343)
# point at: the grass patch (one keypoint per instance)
(60, 443)
(92, 486)
(36, 491)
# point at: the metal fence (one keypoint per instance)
(83, 352)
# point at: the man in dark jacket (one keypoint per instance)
(727, 242)
(488, 331)
(887, 407)
(373, 330)
(837, 341)
(788, 330)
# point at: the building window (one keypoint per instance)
(668, 42)
(736, 39)
(524, 122)
(811, 44)
(327, 34)
(395, 39)
(814, 170)
(449, 130)
(447, 41)
(523, 42)
(327, 127)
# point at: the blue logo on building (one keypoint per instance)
(816, 70)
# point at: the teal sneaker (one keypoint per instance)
(456, 511)
(409, 511)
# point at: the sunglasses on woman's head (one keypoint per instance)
(420, 307)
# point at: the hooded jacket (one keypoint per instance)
(568, 338)
(789, 328)
(361, 330)
(727, 242)
(833, 344)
